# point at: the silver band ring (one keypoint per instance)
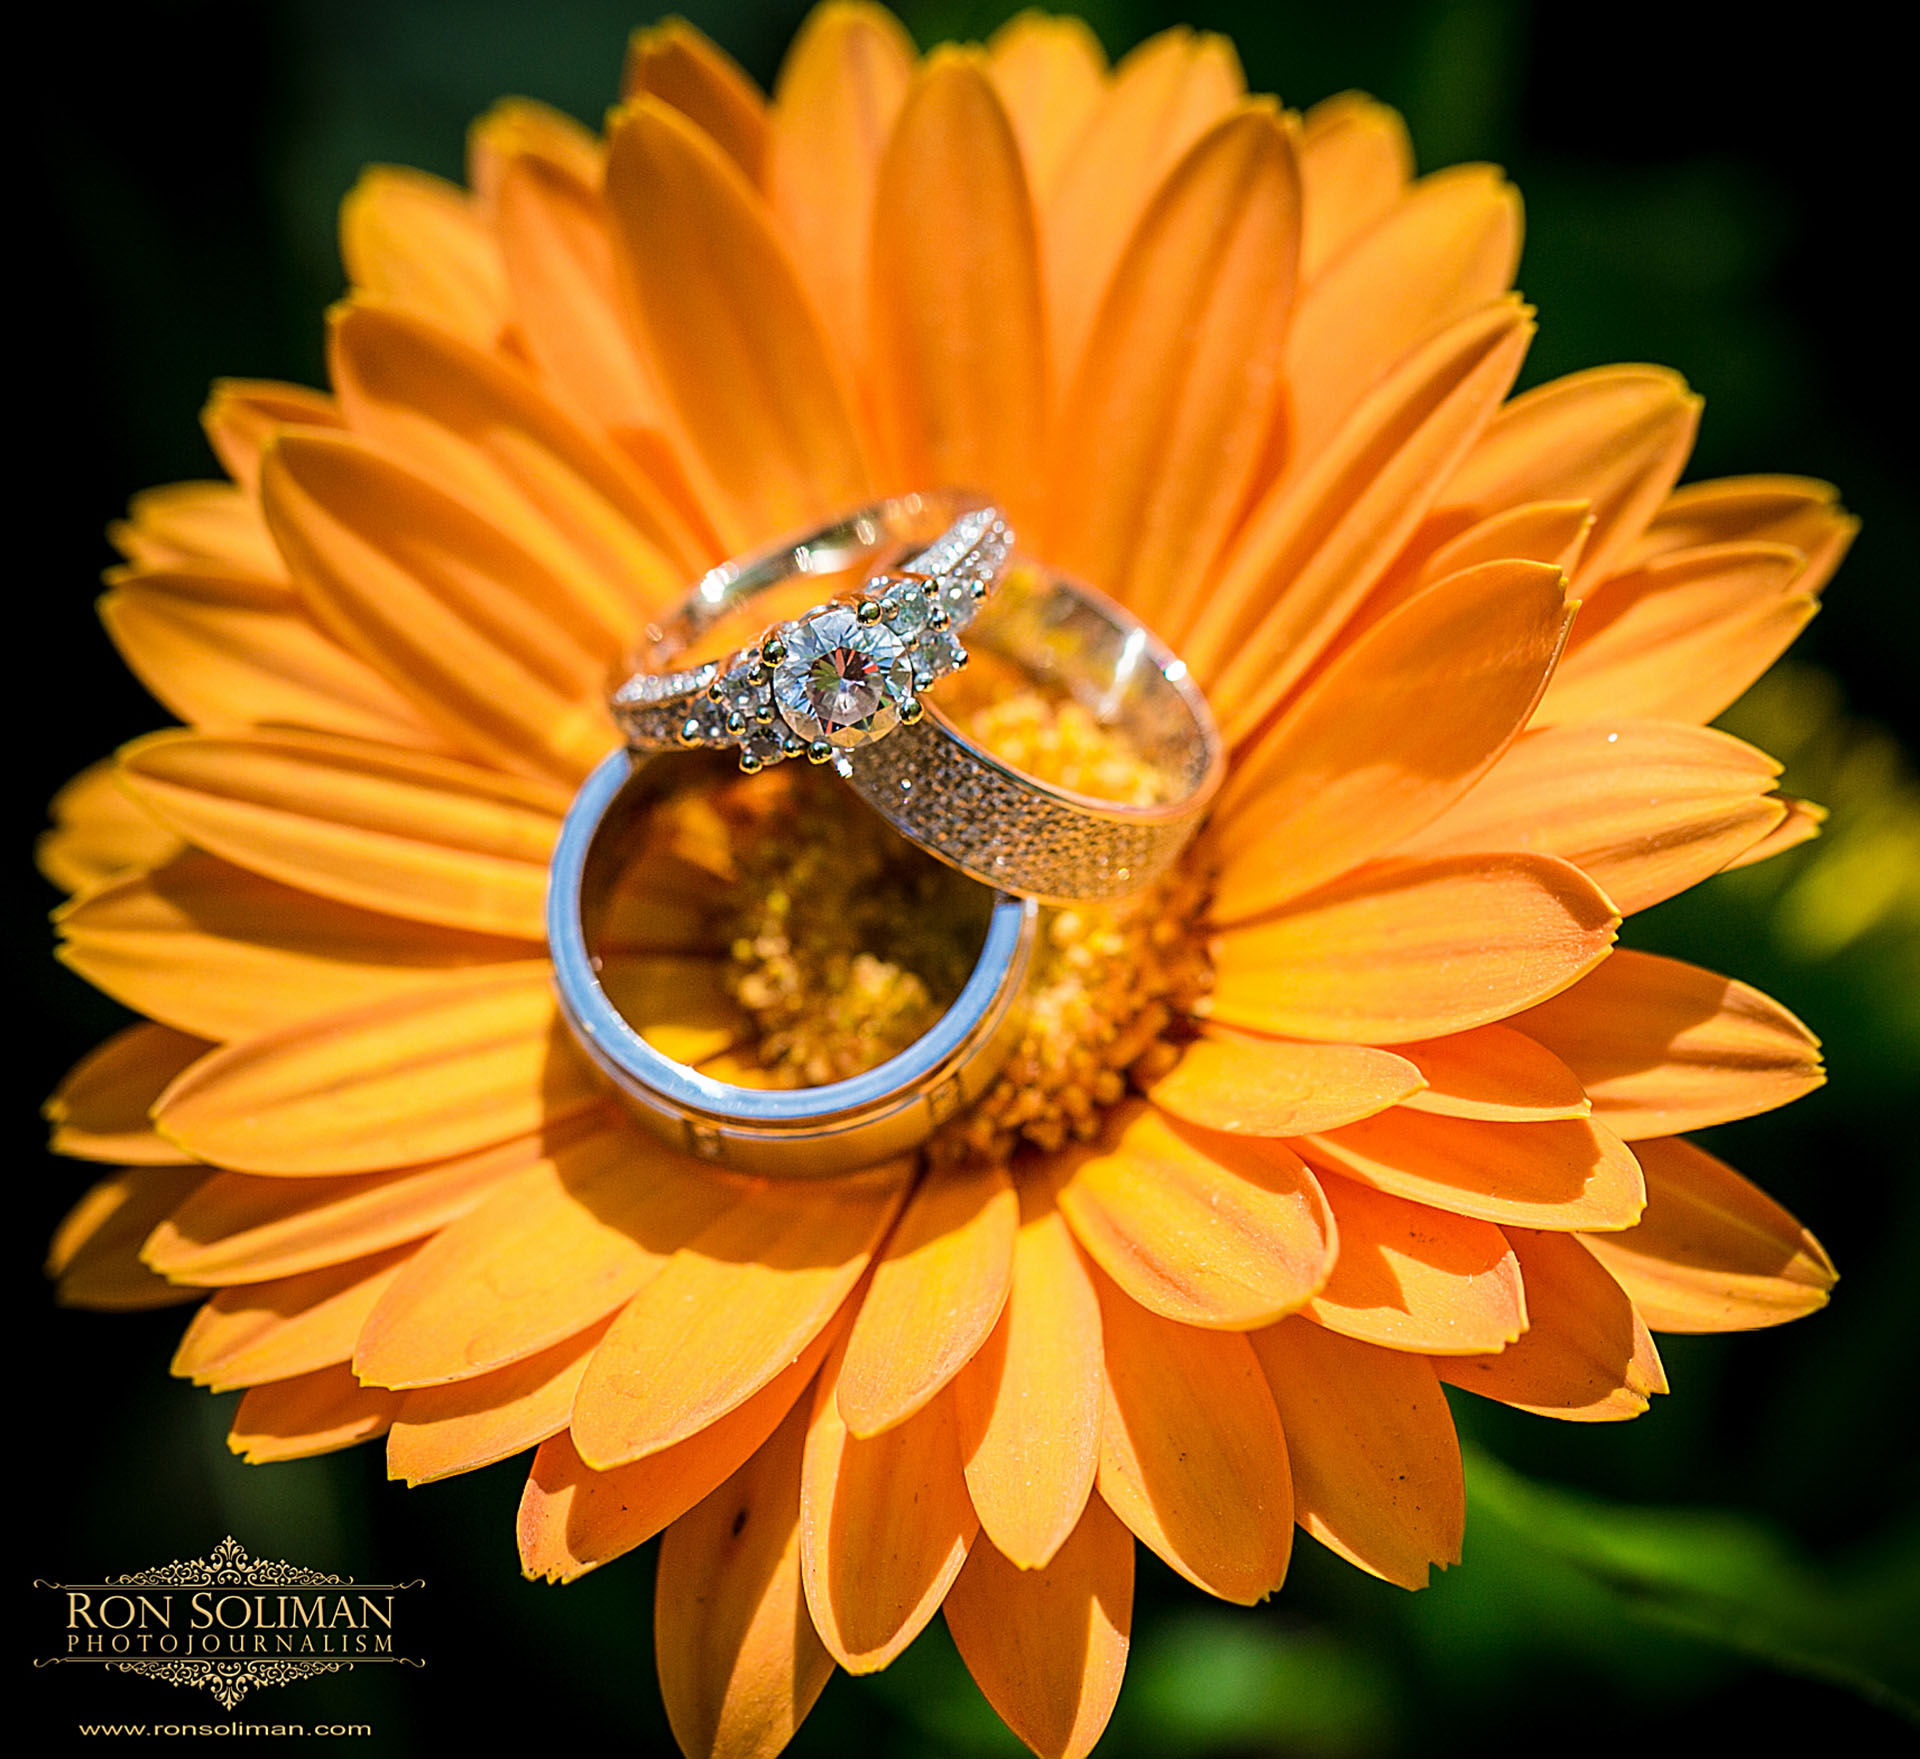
(808, 1132)
(844, 684)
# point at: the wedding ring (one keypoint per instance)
(808, 1132)
(845, 684)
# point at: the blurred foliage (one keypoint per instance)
(1698, 193)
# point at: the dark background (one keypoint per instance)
(1729, 198)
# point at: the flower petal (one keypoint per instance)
(1355, 164)
(519, 129)
(729, 1311)
(936, 1293)
(416, 242)
(467, 1424)
(1163, 428)
(242, 415)
(1586, 1356)
(1446, 248)
(1191, 1453)
(1051, 74)
(1201, 1227)
(1494, 1072)
(840, 89)
(415, 1078)
(1394, 732)
(959, 351)
(745, 363)
(1312, 547)
(1572, 1173)
(884, 1527)
(423, 838)
(99, 832)
(224, 954)
(740, 1664)
(99, 1112)
(1800, 824)
(258, 1332)
(1376, 1466)
(1029, 1401)
(681, 66)
(1644, 808)
(198, 526)
(1712, 1252)
(317, 1413)
(1415, 1278)
(1377, 956)
(95, 1252)
(1791, 510)
(1047, 1647)
(1614, 436)
(552, 1249)
(574, 1519)
(1682, 637)
(1270, 1087)
(1661, 1046)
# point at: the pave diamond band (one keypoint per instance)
(808, 1132)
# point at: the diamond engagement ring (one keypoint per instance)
(847, 684)
(808, 1132)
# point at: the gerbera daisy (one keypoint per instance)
(1361, 1102)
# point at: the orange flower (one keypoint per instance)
(1241, 370)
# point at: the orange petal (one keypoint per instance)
(1613, 436)
(99, 832)
(1496, 1073)
(936, 1293)
(1679, 639)
(959, 361)
(884, 1527)
(423, 838)
(1712, 1252)
(467, 1424)
(1414, 1278)
(1048, 1647)
(1586, 1356)
(1029, 1401)
(1446, 248)
(243, 414)
(198, 526)
(476, 427)
(1377, 957)
(224, 954)
(99, 1112)
(731, 1309)
(743, 358)
(1643, 808)
(95, 1252)
(1355, 164)
(1163, 428)
(273, 1331)
(740, 1664)
(1800, 823)
(416, 1078)
(226, 652)
(1791, 510)
(317, 1413)
(1376, 1466)
(1204, 1228)
(1269, 1087)
(1391, 734)
(1163, 96)
(1312, 548)
(237, 1228)
(1191, 1454)
(416, 242)
(519, 129)
(1662, 1047)
(1051, 74)
(681, 66)
(552, 1249)
(1568, 1174)
(840, 89)
(485, 638)
(574, 1519)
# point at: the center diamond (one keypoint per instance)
(842, 680)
